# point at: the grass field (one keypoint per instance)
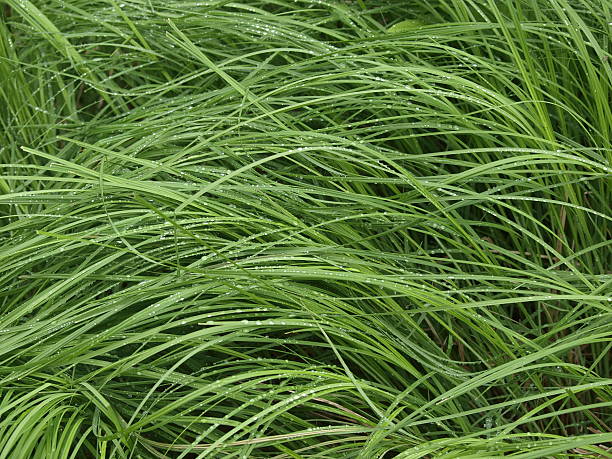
(305, 229)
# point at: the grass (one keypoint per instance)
(305, 229)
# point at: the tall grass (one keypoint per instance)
(305, 229)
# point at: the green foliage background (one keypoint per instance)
(305, 229)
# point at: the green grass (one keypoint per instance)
(305, 229)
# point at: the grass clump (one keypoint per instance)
(305, 229)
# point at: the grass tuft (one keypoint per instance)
(305, 229)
